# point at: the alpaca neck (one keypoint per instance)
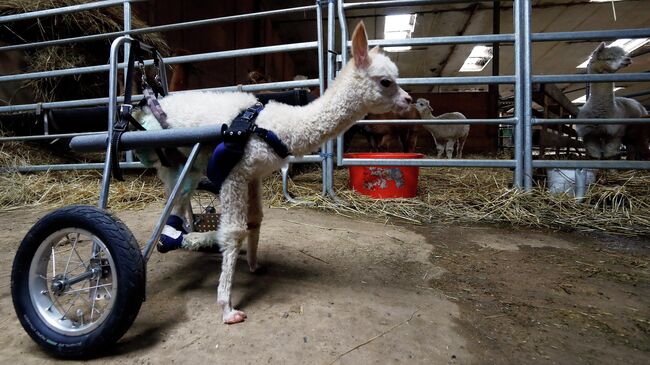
(328, 116)
(601, 93)
(427, 114)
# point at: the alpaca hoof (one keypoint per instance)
(257, 269)
(234, 316)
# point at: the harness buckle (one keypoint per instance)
(123, 120)
(248, 114)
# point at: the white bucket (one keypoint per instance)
(563, 181)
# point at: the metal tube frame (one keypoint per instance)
(112, 113)
(155, 236)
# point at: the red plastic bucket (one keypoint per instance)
(383, 182)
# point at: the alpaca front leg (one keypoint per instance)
(231, 234)
(449, 148)
(441, 149)
(232, 242)
(255, 216)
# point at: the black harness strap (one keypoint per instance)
(235, 137)
(241, 128)
(122, 122)
(125, 118)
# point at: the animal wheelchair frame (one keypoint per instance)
(78, 278)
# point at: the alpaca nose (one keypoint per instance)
(408, 99)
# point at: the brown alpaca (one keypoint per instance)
(379, 136)
(637, 140)
(180, 72)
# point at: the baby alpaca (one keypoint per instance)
(366, 84)
(444, 136)
(603, 141)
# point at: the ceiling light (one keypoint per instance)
(477, 59)
(399, 27)
(628, 45)
(583, 98)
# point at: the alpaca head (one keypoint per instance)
(608, 59)
(423, 106)
(375, 76)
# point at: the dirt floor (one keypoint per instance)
(340, 291)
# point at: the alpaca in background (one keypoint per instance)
(604, 141)
(444, 136)
(380, 136)
(367, 84)
(637, 140)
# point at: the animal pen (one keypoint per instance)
(331, 50)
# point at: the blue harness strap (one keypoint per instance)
(235, 137)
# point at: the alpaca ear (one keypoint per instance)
(375, 50)
(360, 46)
(601, 46)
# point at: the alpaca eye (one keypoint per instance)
(385, 82)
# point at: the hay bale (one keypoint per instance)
(68, 56)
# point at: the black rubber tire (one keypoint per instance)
(130, 276)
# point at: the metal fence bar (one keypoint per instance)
(460, 80)
(572, 78)
(63, 10)
(519, 98)
(443, 40)
(331, 74)
(201, 57)
(525, 10)
(46, 137)
(68, 167)
(591, 35)
(386, 4)
(159, 28)
(428, 162)
(510, 121)
(98, 101)
(321, 87)
(540, 121)
(343, 24)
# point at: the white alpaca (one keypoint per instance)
(366, 84)
(604, 141)
(444, 136)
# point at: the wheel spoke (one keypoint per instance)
(80, 259)
(70, 307)
(88, 288)
(53, 264)
(94, 299)
(74, 246)
(110, 296)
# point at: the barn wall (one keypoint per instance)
(220, 37)
(482, 138)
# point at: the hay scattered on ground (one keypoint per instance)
(57, 189)
(60, 188)
(619, 203)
